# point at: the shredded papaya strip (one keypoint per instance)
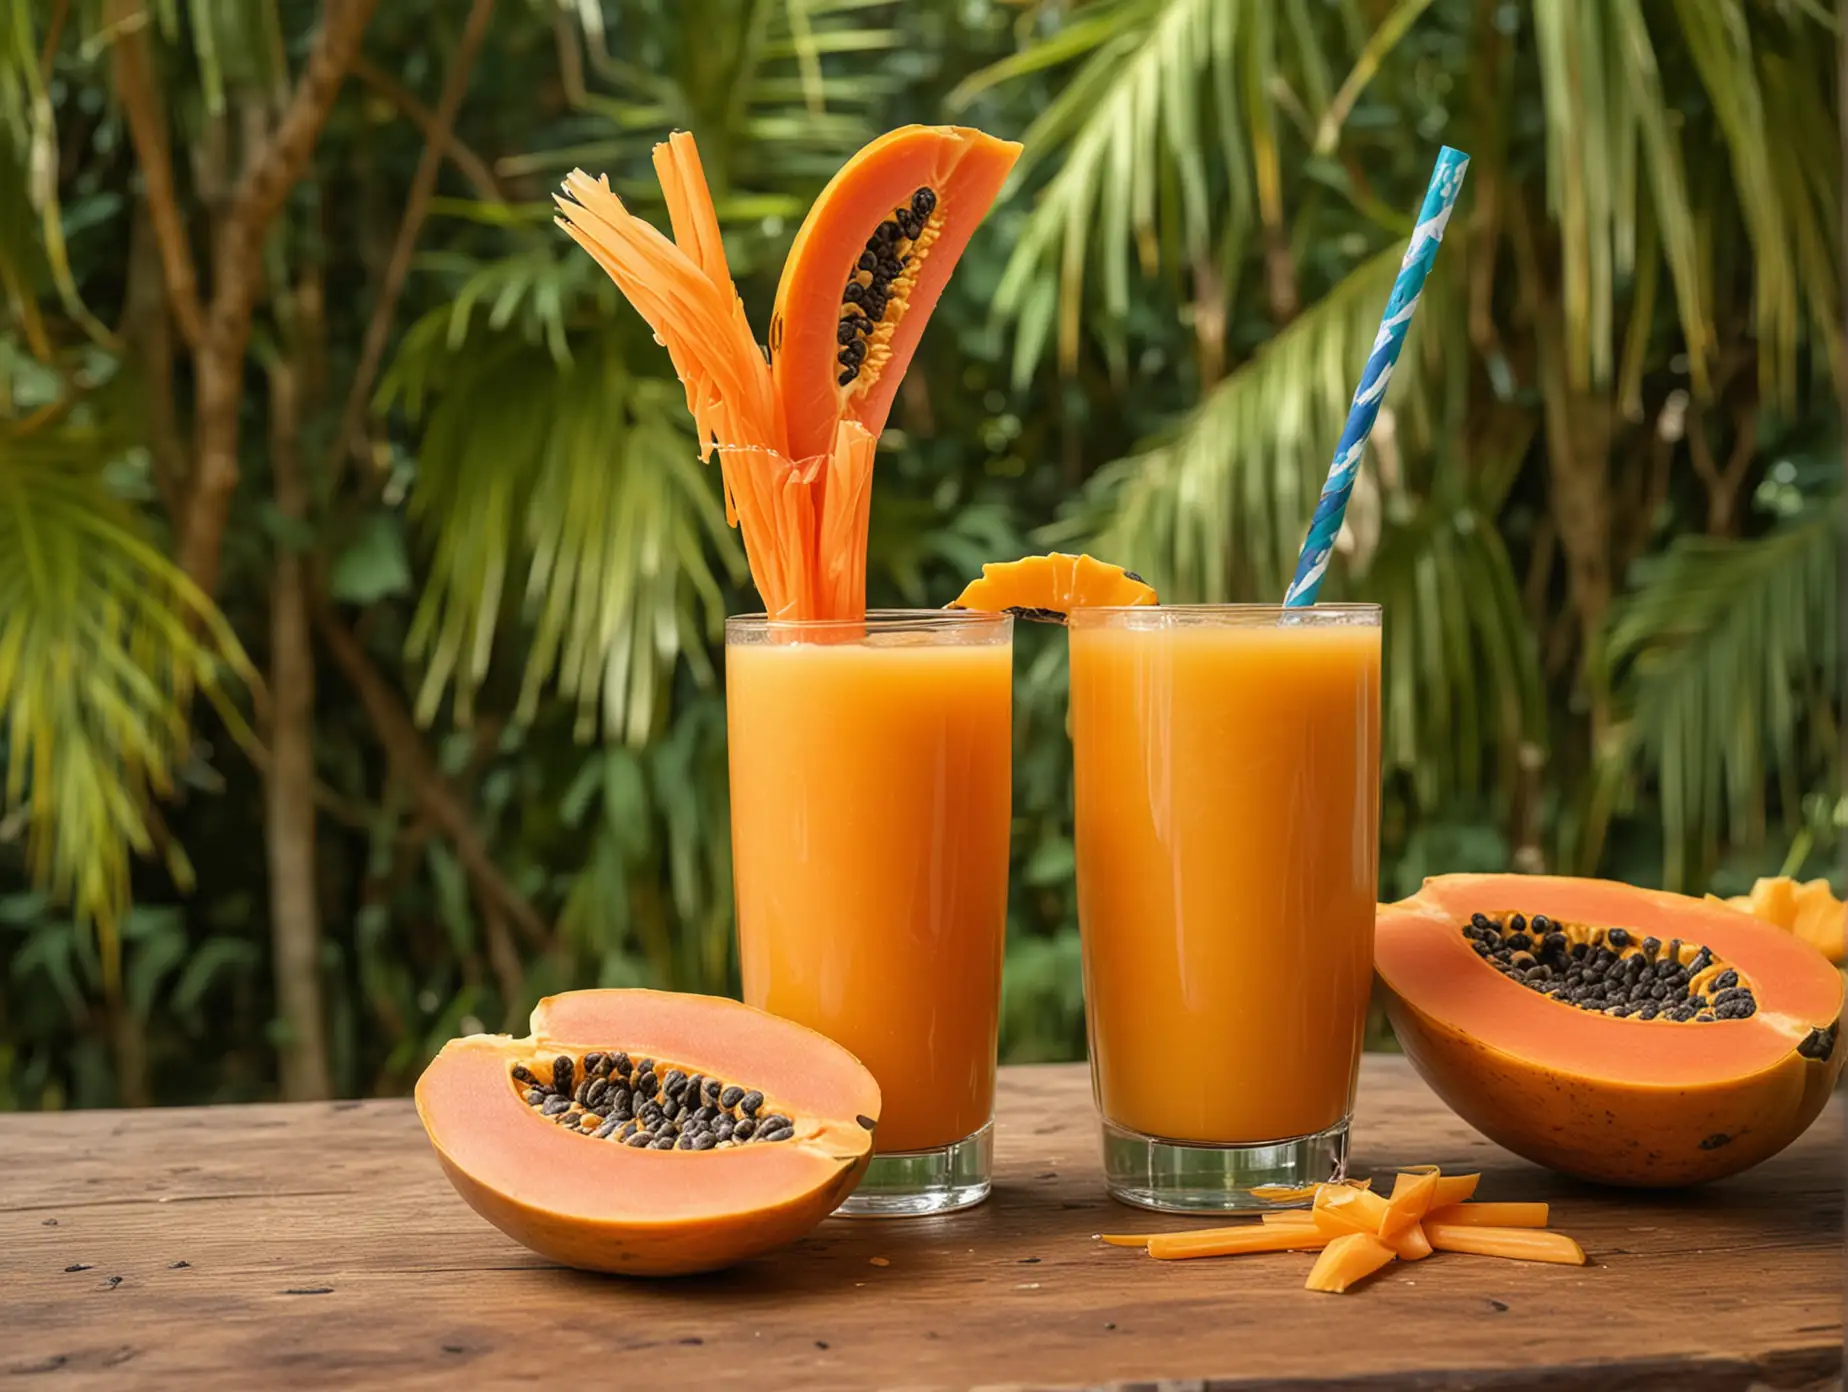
(1410, 1245)
(1346, 1260)
(1341, 1210)
(728, 383)
(1228, 1242)
(1454, 1189)
(1291, 1217)
(1125, 1239)
(1410, 1201)
(695, 224)
(840, 553)
(1492, 1215)
(1517, 1244)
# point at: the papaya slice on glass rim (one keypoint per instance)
(867, 268)
(650, 1134)
(1622, 1035)
(1049, 587)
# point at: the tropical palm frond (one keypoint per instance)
(1720, 661)
(578, 483)
(1160, 129)
(1616, 174)
(1760, 100)
(778, 94)
(103, 645)
(29, 124)
(1608, 126)
(1219, 510)
(1461, 668)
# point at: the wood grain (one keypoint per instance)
(319, 1245)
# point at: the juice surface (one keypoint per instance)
(870, 817)
(1227, 845)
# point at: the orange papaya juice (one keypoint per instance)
(870, 785)
(1227, 770)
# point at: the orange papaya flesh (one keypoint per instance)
(1409, 1201)
(797, 487)
(1347, 1260)
(1491, 1229)
(1047, 588)
(1237, 1240)
(1808, 910)
(1618, 1099)
(595, 1200)
(1411, 1244)
(1491, 1215)
(1516, 1244)
(867, 268)
(1339, 1209)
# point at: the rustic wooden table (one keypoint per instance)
(319, 1245)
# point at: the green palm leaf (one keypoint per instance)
(1166, 83)
(574, 485)
(1720, 662)
(103, 645)
(1220, 509)
(1461, 668)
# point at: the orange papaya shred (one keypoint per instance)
(1233, 1241)
(804, 521)
(1360, 1232)
(1346, 1260)
(1410, 1245)
(1518, 1244)
(1491, 1215)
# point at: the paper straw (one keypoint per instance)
(1325, 525)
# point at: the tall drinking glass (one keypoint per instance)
(1227, 766)
(870, 783)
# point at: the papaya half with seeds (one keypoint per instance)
(650, 1134)
(1622, 1035)
(1047, 588)
(866, 270)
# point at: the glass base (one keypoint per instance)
(1180, 1178)
(912, 1183)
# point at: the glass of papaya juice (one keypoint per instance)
(1227, 772)
(870, 786)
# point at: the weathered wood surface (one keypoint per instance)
(319, 1245)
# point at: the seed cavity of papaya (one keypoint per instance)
(1612, 971)
(646, 1104)
(879, 286)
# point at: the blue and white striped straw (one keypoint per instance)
(1325, 525)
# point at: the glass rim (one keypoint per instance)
(1358, 613)
(880, 619)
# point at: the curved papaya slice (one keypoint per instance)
(867, 268)
(1808, 909)
(650, 1134)
(1622, 1035)
(1049, 587)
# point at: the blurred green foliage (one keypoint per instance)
(1601, 511)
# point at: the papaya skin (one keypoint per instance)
(600, 1206)
(1640, 1104)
